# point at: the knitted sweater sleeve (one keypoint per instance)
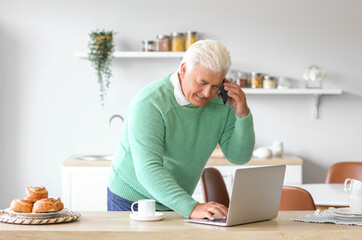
(146, 138)
(238, 139)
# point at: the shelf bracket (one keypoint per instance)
(316, 106)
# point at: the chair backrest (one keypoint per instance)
(213, 187)
(296, 199)
(338, 172)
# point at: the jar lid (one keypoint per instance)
(266, 77)
(162, 36)
(148, 41)
(256, 74)
(177, 34)
(191, 32)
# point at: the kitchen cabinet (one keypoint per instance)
(84, 187)
(84, 183)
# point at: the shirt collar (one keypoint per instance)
(180, 97)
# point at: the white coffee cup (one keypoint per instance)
(277, 148)
(353, 187)
(146, 207)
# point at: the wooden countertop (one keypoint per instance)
(116, 225)
(217, 158)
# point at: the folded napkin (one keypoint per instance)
(329, 216)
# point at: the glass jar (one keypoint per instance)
(178, 42)
(148, 46)
(256, 80)
(190, 39)
(269, 82)
(231, 75)
(314, 76)
(284, 83)
(163, 42)
(242, 79)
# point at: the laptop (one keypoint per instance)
(255, 196)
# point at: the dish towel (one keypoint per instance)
(328, 216)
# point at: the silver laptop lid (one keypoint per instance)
(256, 194)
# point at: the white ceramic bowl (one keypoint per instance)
(262, 152)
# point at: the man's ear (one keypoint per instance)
(183, 70)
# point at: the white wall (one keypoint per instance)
(49, 102)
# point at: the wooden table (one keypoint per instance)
(116, 225)
(326, 195)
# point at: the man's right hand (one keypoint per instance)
(208, 210)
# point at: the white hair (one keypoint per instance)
(210, 53)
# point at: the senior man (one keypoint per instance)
(172, 127)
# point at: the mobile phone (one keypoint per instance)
(223, 92)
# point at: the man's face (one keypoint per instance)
(200, 85)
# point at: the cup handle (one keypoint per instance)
(347, 188)
(132, 207)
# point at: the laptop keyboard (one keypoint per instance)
(217, 220)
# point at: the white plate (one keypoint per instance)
(346, 212)
(134, 216)
(34, 215)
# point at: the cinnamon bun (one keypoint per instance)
(36, 193)
(21, 205)
(45, 205)
(58, 203)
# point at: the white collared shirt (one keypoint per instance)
(180, 97)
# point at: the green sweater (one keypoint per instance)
(164, 146)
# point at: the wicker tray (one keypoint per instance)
(64, 217)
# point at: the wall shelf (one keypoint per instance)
(138, 54)
(317, 93)
(294, 91)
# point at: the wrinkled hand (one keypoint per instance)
(208, 210)
(237, 99)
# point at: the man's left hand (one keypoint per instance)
(237, 99)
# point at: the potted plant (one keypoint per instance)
(101, 48)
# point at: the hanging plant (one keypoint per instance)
(101, 48)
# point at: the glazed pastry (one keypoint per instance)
(45, 205)
(21, 205)
(57, 203)
(36, 193)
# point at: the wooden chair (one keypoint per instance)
(296, 199)
(338, 172)
(213, 187)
